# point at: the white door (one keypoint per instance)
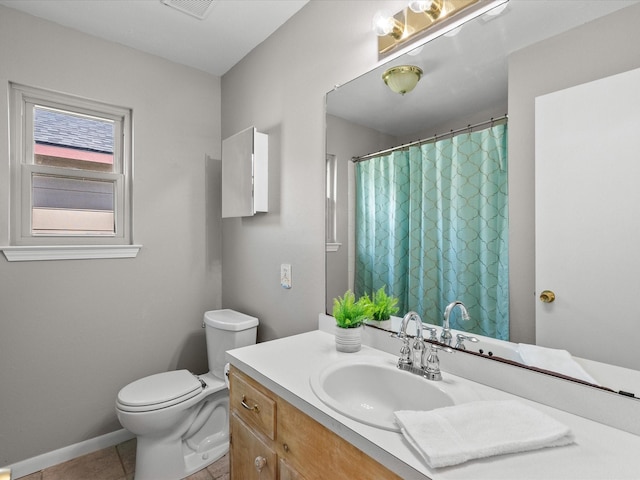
(588, 219)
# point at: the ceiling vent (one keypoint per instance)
(196, 8)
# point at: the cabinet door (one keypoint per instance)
(245, 175)
(287, 472)
(251, 457)
(237, 175)
(318, 453)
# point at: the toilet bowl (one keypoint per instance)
(181, 420)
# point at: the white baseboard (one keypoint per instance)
(40, 462)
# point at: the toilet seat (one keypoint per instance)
(158, 391)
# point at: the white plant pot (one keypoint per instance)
(348, 340)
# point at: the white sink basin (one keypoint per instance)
(370, 389)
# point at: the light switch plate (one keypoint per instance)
(285, 275)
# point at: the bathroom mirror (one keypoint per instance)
(465, 82)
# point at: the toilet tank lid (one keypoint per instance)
(229, 320)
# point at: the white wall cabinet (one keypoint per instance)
(245, 174)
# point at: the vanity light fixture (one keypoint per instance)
(403, 78)
(424, 20)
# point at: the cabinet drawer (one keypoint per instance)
(252, 404)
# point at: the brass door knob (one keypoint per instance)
(547, 296)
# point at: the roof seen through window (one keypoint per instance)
(53, 127)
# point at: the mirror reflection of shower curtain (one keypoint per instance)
(432, 226)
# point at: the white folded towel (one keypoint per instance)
(452, 435)
(553, 359)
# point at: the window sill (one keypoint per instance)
(69, 252)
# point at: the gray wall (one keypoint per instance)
(346, 140)
(72, 333)
(595, 50)
(280, 88)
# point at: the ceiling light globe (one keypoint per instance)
(402, 79)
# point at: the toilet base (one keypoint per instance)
(197, 461)
(206, 441)
(164, 464)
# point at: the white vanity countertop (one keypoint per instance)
(285, 365)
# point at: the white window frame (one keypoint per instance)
(23, 244)
(331, 213)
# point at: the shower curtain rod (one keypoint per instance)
(427, 140)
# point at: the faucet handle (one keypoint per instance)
(435, 347)
(433, 332)
(445, 336)
(431, 362)
(399, 334)
(404, 360)
(461, 338)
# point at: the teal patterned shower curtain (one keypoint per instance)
(432, 226)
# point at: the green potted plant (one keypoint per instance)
(349, 315)
(382, 306)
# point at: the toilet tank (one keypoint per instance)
(225, 330)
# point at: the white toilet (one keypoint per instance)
(181, 420)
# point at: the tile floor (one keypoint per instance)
(116, 463)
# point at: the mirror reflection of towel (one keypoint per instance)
(453, 435)
(553, 359)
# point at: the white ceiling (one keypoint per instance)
(464, 72)
(229, 32)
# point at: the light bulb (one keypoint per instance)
(419, 6)
(382, 23)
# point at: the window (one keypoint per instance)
(332, 244)
(71, 173)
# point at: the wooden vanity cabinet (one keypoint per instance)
(271, 439)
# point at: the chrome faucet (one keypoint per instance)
(445, 336)
(410, 357)
(416, 358)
